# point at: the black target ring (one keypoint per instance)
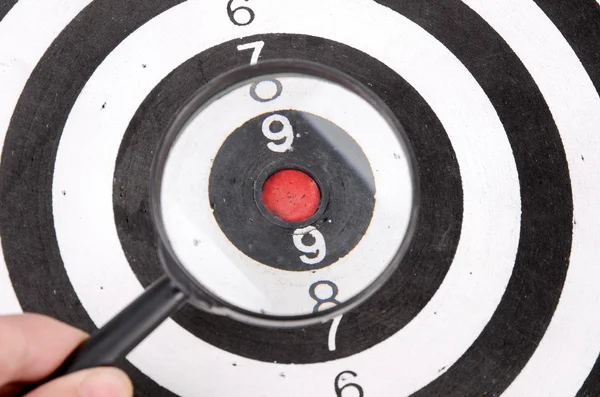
(5, 7)
(39, 278)
(243, 164)
(31, 194)
(579, 23)
(405, 294)
(509, 339)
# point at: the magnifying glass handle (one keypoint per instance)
(125, 331)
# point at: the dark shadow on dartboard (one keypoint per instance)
(418, 276)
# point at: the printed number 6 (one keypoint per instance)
(339, 390)
(231, 13)
(317, 248)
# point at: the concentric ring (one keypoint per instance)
(32, 56)
(503, 192)
(71, 270)
(408, 291)
(479, 63)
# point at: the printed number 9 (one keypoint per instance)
(317, 248)
(286, 133)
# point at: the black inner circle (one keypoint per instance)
(320, 148)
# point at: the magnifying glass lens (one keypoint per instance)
(287, 194)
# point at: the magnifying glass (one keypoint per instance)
(283, 194)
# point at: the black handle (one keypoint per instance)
(125, 331)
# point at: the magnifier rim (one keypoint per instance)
(199, 295)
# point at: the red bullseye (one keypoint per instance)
(291, 195)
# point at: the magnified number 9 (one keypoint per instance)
(318, 247)
(286, 134)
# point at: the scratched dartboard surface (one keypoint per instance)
(499, 293)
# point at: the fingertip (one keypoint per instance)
(33, 345)
(93, 382)
(39, 320)
(106, 382)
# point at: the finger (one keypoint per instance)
(32, 346)
(95, 382)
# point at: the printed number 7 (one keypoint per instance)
(256, 46)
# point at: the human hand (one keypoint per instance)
(32, 346)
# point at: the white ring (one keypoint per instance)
(571, 343)
(463, 304)
(36, 41)
(19, 58)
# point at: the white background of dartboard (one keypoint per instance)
(413, 357)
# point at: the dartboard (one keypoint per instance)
(498, 293)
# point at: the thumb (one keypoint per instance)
(94, 382)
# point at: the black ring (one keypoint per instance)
(583, 37)
(405, 294)
(520, 320)
(533, 290)
(39, 278)
(199, 294)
